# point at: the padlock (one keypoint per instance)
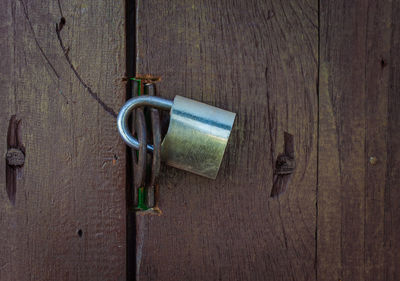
(197, 134)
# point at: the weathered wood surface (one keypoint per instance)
(327, 73)
(359, 148)
(68, 220)
(259, 60)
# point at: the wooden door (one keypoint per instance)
(317, 81)
(259, 60)
(326, 73)
(62, 216)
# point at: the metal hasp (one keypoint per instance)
(123, 115)
(197, 134)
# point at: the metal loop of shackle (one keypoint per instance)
(130, 105)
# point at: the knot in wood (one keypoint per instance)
(15, 157)
(284, 165)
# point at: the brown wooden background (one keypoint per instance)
(326, 72)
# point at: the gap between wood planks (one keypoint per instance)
(131, 54)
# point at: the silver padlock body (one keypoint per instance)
(197, 137)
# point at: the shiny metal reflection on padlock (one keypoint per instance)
(197, 134)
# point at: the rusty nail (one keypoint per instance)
(373, 160)
(15, 157)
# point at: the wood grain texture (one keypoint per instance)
(258, 59)
(358, 196)
(68, 222)
(391, 218)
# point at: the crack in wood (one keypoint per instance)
(65, 50)
(37, 41)
(41, 49)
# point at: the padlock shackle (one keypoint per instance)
(123, 115)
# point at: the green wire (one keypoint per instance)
(141, 194)
(140, 84)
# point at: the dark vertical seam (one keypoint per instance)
(131, 57)
(366, 172)
(387, 211)
(318, 141)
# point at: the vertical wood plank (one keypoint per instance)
(258, 59)
(356, 144)
(392, 181)
(68, 222)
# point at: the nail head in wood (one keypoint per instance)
(15, 157)
(373, 160)
(284, 165)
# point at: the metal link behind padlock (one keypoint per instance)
(197, 134)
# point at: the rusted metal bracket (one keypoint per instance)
(150, 89)
(145, 187)
(15, 157)
(284, 166)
